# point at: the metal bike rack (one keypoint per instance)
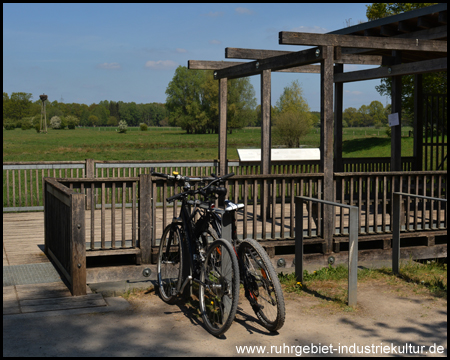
(353, 243)
(396, 226)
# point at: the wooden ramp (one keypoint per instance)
(32, 298)
(30, 283)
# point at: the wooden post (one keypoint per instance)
(78, 245)
(326, 143)
(266, 140)
(145, 217)
(396, 131)
(338, 107)
(223, 126)
(418, 123)
(89, 174)
(266, 143)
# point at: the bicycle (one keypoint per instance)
(257, 274)
(185, 257)
(261, 284)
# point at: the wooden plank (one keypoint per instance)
(361, 42)
(42, 291)
(65, 303)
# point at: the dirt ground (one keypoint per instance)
(388, 321)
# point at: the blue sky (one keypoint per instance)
(86, 53)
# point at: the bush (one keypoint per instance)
(143, 127)
(72, 121)
(55, 122)
(10, 126)
(37, 127)
(290, 126)
(388, 131)
(122, 127)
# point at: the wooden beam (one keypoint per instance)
(396, 106)
(279, 62)
(256, 54)
(418, 67)
(365, 42)
(223, 126)
(218, 65)
(265, 122)
(326, 143)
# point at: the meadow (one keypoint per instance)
(161, 143)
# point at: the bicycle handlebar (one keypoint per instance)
(203, 190)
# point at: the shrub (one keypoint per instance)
(37, 127)
(122, 127)
(10, 126)
(388, 131)
(143, 127)
(55, 122)
(290, 126)
(72, 121)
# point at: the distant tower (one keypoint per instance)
(43, 125)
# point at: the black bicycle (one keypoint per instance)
(261, 284)
(185, 256)
(257, 274)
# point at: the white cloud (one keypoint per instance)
(242, 10)
(310, 29)
(109, 66)
(356, 92)
(181, 51)
(214, 14)
(161, 64)
(215, 42)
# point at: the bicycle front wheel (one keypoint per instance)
(170, 263)
(261, 284)
(219, 289)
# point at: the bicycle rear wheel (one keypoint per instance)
(261, 284)
(219, 289)
(170, 263)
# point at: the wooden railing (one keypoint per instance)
(64, 228)
(73, 233)
(372, 193)
(22, 181)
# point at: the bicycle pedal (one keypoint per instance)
(174, 292)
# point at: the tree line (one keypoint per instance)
(19, 110)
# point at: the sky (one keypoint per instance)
(86, 53)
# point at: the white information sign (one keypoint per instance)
(280, 154)
(393, 119)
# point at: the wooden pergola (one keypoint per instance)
(414, 42)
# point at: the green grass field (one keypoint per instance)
(170, 144)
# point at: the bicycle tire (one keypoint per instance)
(170, 263)
(261, 284)
(219, 288)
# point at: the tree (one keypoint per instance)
(432, 83)
(184, 99)
(241, 102)
(293, 119)
(377, 113)
(19, 105)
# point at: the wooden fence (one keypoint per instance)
(73, 233)
(64, 228)
(22, 181)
